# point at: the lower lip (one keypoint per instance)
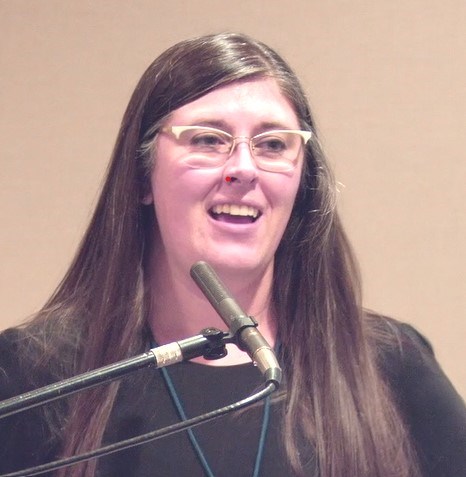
(235, 223)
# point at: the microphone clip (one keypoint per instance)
(216, 346)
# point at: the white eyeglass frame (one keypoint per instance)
(176, 131)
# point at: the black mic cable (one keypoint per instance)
(150, 436)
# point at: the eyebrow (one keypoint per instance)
(224, 126)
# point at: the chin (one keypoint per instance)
(234, 262)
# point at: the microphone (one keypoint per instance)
(241, 326)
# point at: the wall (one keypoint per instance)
(385, 79)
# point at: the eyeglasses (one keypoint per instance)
(273, 151)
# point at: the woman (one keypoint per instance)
(197, 174)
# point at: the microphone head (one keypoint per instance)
(209, 283)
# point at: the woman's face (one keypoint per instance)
(197, 208)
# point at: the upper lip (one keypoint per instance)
(233, 208)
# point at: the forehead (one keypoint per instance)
(240, 105)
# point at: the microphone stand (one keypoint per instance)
(210, 343)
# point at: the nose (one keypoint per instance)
(241, 164)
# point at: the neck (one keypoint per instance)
(180, 310)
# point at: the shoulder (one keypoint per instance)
(32, 356)
(11, 370)
(407, 359)
(399, 347)
(26, 438)
(28, 360)
(431, 407)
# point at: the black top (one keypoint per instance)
(434, 411)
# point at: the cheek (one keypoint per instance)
(284, 190)
(179, 192)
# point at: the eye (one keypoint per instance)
(201, 140)
(271, 145)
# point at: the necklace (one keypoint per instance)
(195, 444)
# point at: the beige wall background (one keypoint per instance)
(387, 85)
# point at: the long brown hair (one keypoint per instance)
(336, 398)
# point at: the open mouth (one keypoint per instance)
(237, 214)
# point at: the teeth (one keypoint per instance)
(232, 209)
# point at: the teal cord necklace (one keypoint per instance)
(195, 444)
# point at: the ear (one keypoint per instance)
(146, 196)
(147, 199)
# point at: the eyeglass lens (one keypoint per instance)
(272, 150)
